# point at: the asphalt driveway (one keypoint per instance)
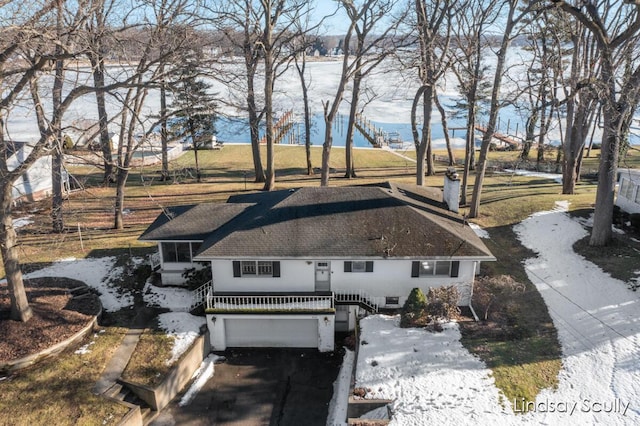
(261, 387)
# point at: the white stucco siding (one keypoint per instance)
(35, 181)
(628, 197)
(390, 278)
(295, 276)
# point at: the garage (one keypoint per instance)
(271, 333)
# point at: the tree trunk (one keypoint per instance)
(254, 129)
(355, 97)
(603, 215)
(445, 129)
(530, 131)
(326, 148)
(427, 109)
(57, 157)
(121, 181)
(164, 132)
(194, 142)
(469, 148)
(307, 114)
(20, 309)
(474, 210)
(97, 64)
(421, 149)
(269, 77)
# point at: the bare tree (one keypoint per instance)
(167, 41)
(97, 50)
(582, 103)
(355, 62)
(240, 23)
(512, 20)
(370, 50)
(27, 51)
(469, 44)
(433, 27)
(616, 30)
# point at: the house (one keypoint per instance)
(289, 268)
(628, 198)
(36, 182)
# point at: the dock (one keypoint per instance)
(505, 139)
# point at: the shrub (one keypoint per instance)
(196, 277)
(493, 295)
(442, 303)
(413, 309)
(635, 221)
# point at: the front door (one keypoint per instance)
(323, 276)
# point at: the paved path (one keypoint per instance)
(261, 387)
(122, 355)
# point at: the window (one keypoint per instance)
(626, 189)
(256, 268)
(248, 268)
(178, 252)
(392, 300)
(358, 266)
(437, 268)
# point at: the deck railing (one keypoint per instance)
(270, 302)
(199, 295)
(154, 261)
(359, 297)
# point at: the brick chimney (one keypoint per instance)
(451, 195)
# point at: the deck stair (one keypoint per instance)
(199, 295)
(360, 298)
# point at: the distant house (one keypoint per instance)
(36, 183)
(290, 268)
(628, 198)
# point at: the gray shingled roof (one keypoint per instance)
(193, 222)
(394, 221)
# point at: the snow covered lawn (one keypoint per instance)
(433, 379)
(598, 322)
(97, 273)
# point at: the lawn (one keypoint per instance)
(521, 366)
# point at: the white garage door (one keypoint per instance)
(271, 333)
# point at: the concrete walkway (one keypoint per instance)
(119, 361)
(122, 355)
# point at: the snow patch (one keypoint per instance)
(22, 221)
(431, 377)
(200, 377)
(184, 328)
(598, 323)
(96, 273)
(173, 298)
(480, 232)
(339, 401)
(553, 176)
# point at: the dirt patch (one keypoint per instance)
(57, 315)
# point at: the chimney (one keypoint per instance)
(451, 194)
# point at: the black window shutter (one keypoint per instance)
(276, 269)
(347, 266)
(368, 266)
(455, 268)
(236, 268)
(415, 269)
